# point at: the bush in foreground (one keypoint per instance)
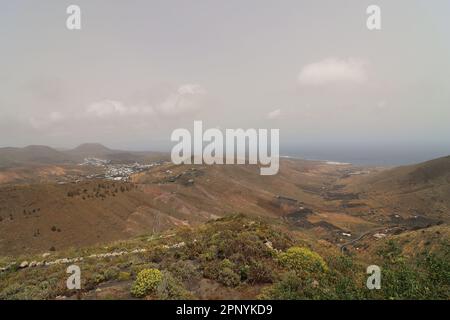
(302, 260)
(147, 282)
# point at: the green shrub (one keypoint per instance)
(228, 277)
(171, 288)
(111, 273)
(260, 272)
(157, 254)
(147, 282)
(302, 260)
(345, 287)
(123, 276)
(402, 282)
(438, 268)
(184, 270)
(288, 288)
(244, 271)
(390, 252)
(98, 278)
(139, 264)
(209, 254)
(295, 287)
(222, 272)
(10, 291)
(424, 276)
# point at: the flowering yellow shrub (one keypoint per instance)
(302, 260)
(147, 281)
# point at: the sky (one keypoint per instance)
(137, 70)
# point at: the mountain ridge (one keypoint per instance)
(45, 155)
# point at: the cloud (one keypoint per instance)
(333, 71)
(187, 99)
(191, 89)
(108, 108)
(273, 114)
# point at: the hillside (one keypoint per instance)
(426, 174)
(95, 211)
(93, 148)
(236, 257)
(318, 200)
(216, 232)
(44, 155)
(421, 190)
(31, 155)
(90, 150)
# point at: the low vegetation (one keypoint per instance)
(234, 257)
(147, 282)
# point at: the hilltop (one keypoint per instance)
(421, 190)
(31, 155)
(91, 150)
(43, 155)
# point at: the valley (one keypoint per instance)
(64, 211)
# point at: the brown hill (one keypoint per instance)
(30, 155)
(42, 216)
(91, 150)
(428, 173)
(317, 199)
(98, 150)
(410, 191)
(168, 195)
(43, 155)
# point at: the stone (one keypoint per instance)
(379, 235)
(269, 245)
(179, 245)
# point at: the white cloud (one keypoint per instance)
(187, 99)
(274, 114)
(333, 71)
(193, 89)
(107, 108)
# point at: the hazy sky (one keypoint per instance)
(140, 69)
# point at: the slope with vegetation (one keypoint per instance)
(236, 257)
